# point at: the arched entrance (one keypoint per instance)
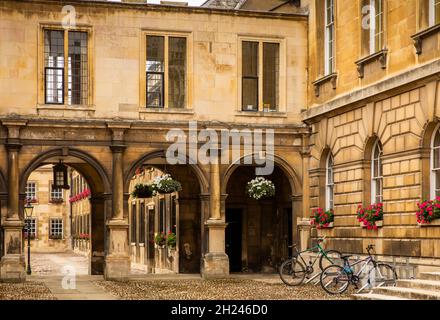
(259, 231)
(96, 180)
(178, 212)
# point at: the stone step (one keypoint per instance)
(430, 285)
(376, 296)
(430, 276)
(408, 293)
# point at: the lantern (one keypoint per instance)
(60, 176)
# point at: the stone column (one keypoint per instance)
(215, 261)
(117, 262)
(12, 267)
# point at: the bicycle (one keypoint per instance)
(293, 271)
(336, 279)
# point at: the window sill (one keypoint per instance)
(419, 36)
(332, 77)
(65, 107)
(379, 55)
(166, 110)
(273, 114)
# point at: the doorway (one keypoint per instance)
(233, 241)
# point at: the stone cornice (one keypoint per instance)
(412, 78)
(174, 9)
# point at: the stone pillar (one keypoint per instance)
(12, 267)
(215, 261)
(117, 262)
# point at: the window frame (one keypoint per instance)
(35, 191)
(42, 101)
(329, 27)
(34, 219)
(329, 186)
(374, 192)
(143, 74)
(282, 73)
(372, 48)
(51, 192)
(51, 233)
(433, 184)
(432, 17)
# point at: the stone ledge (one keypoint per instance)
(332, 77)
(379, 55)
(419, 36)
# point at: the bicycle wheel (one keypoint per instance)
(330, 257)
(334, 279)
(292, 272)
(383, 275)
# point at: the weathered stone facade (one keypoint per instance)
(391, 96)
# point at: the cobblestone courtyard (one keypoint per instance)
(46, 284)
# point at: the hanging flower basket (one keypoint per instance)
(429, 212)
(260, 188)
(166, 184)
(322, 219)
(171, 240)
(142, 191)
(160, 239)
(370, 217)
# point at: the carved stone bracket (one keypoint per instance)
(332, 77)
(419, 36)
(381, 56)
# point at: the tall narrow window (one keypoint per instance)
(75, 92)
(271, 65)
(162, 215)
(55, 194)
(54, 66)
(173, 215)
(133, 223)
(142, 223)
(77, 68)
(434, 12)
(155, 71)
(329, 184)
(176, 72)
(30, 223)
(329, 37)
(376, 32)
(250, 64)
(376, 174)
(435, 165)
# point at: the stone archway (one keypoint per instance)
(100, 200)
(262, 230)
(192, 212)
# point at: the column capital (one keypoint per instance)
(118, 129)
(13, 145)
(118, 148)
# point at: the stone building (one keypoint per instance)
(101, 85)
(49, 224)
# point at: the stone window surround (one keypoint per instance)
(41, 104)
(282, 75)
(419, 36)
(380, 55)
(432, 186)
(142, 74)
(51, 233)
(35, 189)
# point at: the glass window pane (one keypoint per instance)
(155, 69)
(177, 72)
(250, 59)
(54, 66)
(271, 65)
(78, 73)
(250, 94)
(436, 163)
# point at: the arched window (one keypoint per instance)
(435, 164)
(376, 174)
(329, 185)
